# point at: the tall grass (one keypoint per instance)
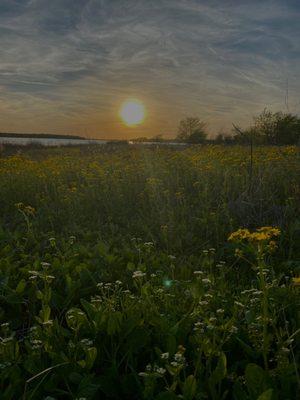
(117, 279)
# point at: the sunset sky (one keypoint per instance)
(66, 66)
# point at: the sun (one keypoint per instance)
(132, 112)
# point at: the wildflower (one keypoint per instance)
(49, 278)
(238, 253)
(48, 323)
(239, 235)
(143, 374)
(7, 340)
(198, 272)
(149, 244)
(296, 281)
(164, 356)
(45, 264)
(86, 342)
(272, 246)
(36, 342)
(203, 303)
(33, 273)
(118, 283)
(72, 239)
(206, 281)
(160, 371)
(285, 350)
(179, 357)
(237, 303)
(233, 329)
(260, 235)
(29, 210)
(96, 300)
(138, 274)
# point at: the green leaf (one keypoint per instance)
(114, 323)
(131, 266)
(21, 286)
(267, 395)
(166, 396)
(89, 308)
(238, 391)
(220, 371)
(46, 312)
(255, 379)
(91, 354)
(189, 387)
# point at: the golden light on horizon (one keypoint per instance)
(132, 112)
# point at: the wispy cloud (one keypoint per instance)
(66, 65)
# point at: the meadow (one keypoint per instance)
(150, 273)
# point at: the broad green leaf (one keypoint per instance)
(189, 387)
(166, 396)
(21, 286)
(91, 354)
(239, 392)
(89, 308)
(267, 395)
(220, 372)
(255, 377)
(114, 322)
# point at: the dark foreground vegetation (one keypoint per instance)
(160, 274)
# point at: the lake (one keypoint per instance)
(24, 141)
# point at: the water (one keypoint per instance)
(24, 141)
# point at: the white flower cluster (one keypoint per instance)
(152, 370)
(86, 342)
(138, 274)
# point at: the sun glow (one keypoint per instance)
(132, 112)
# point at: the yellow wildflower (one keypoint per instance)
(296, 281)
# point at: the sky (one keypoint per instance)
(66, 66)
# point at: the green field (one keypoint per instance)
(118, 281)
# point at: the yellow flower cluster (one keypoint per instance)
(263, 234)
(296, 281)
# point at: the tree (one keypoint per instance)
(246, 136)
(191, 130)
(277, 128)
(270, 128)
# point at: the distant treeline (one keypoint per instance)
(268, 128)
(40, 136)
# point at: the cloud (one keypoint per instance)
(71, 62)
